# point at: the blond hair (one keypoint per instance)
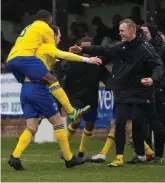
(130, 23)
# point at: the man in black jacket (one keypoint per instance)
(136, 66)
(81, 84)
(155, 39)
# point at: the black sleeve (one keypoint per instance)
(105, 77)
(104, 74)
(157, 68)
(163, 55)
(107, 51)
(154, 62)
(95, 50)
(162, 82)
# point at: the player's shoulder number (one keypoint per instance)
(24, 31)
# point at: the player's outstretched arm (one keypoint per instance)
(56, 53)
(108, 51)
(73, 57)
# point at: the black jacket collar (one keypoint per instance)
(139, 38)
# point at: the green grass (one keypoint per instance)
(44, 165)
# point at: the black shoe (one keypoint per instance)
(81, 154)
(15, 163)
(84, 158)
(75, 161)
(135, 160)
(157, 160)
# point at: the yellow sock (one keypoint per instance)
(62, 140)
(147, 149)
(120, 157)
(61, 96)
(24, 140)
(71, 132)
(109, 143)
(84, 140)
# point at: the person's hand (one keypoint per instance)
(94, 60)
(75, 49)
(147, 81)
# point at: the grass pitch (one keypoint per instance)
(44, 165)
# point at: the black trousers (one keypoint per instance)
(139, 113)
(160, 109)
(122, 113)
(148, 134)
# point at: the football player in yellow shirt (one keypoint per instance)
(22, 61)
(36, 100)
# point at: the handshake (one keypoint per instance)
(91, 60)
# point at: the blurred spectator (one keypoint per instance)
(161, 26)
(82, 31)
(136, 15)
(3, 61)
(72, 33)
(5, 44)
(5, 48)
(76, 32)
(99, 30)
(156, 40)
(160, 19)
(162, 35)
(106, 40)
(114, 31)
(151, 33)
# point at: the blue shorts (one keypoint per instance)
(36, 100)
(30, 67)
(114, 113)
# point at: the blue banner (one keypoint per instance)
(105, 107)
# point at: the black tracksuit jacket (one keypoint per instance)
(132, 61)
(81, 81)
(159, 46)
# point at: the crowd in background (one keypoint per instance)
(5, 48)
(101, 33)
